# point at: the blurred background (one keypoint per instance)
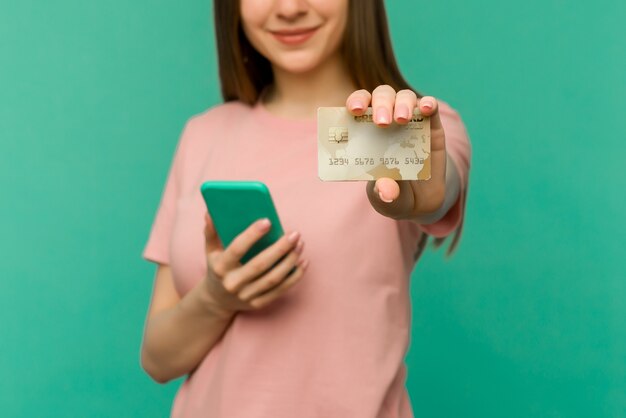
(528, 319)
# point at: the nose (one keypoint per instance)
(291, 9)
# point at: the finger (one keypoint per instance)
(358, 102)
(244, 241)
(383, 99)
(271, 279)
(261, 263)
(429, 106)
(267, 258)
(406, 101)
(268, 297)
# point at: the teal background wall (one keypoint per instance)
(527, 320)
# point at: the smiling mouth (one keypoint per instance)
(294, 36)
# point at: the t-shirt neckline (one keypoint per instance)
(281, 122)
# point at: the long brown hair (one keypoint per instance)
(366, 48)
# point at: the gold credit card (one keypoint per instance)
(355, 148)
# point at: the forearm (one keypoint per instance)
(178, 338)
(453, 189)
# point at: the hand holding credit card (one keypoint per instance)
(354, 148)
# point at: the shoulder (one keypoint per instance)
(452, 122)
(458, 144)
(198, 127)
(198, 134)
(217, 115)
(448, 113)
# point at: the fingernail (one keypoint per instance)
(264, 224)
(402, 112)
(380, 194)
(427, 104)
(293, 237)
(303, 264)
(299, 247)
(382, 116)
(356, 104)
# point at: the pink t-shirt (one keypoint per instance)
(333, 346)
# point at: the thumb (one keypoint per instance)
(388, 189)
(212, 240)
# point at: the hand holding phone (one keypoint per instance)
(270, 269)
(234, 205)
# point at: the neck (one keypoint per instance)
(299, 95)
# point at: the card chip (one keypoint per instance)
(338, 134)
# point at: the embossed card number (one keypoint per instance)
(354, 148)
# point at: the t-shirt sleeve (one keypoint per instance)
(459, 149)
(157, 246)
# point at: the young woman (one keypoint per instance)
(252, 343)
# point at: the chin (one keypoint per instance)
(298, 69)
(298, 64)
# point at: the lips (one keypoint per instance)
(294, 36)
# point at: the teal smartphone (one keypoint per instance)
(234, 205)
